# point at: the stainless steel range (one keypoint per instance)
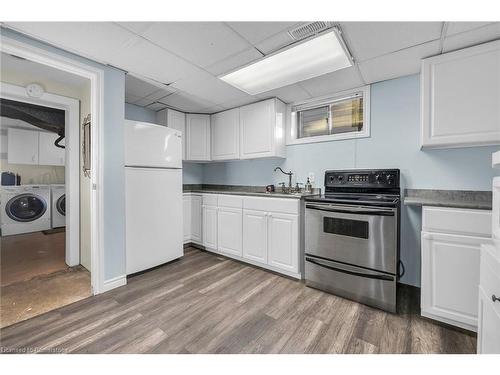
(352, 236)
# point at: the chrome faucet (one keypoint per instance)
(290, 174)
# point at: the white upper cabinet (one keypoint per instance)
(49, 154)
(460, 96)
(226, 135)
(176, 120)
(262, 129)
(22, 146)
(197, 137)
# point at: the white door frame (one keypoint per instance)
(95, 75)
(72, 171)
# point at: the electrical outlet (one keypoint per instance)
(311, 177)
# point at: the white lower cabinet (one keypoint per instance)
(283, 241)
(209, 215)
(255, 235)
(488, 338)
(186, 217)
(229, 230)
(450, 264)
(196, 215)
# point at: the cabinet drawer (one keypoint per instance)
(284, 205)
(209, 199)
(490, 275)
(457, 221)
(233, 201)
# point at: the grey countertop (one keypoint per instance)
(449, 198)
(257, 191)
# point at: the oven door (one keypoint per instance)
(358, 235)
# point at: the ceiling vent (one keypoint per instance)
(310, 29)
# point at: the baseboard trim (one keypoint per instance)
(114, 283)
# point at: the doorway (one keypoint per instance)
(46, 262)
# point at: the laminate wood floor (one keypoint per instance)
(204, 303)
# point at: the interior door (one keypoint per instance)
(153, 227)
(255, 235)
(229, 229)
(283, 238)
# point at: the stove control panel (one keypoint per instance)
(381, 178)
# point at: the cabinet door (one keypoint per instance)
(229, 229)
(257, 129)
(196, 219)
(488, 339)
(162, 117)
(198, 137)
(450, 278)
(255, 235)
(460, 97)
(22, 146)
(186, 218)
(226, 135)
(210, 227)
(283, 240)
(49, 154)
(177, 120)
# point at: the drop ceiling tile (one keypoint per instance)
(158, 95)
(398, 64)
(256, 32)
(99, 41)
(287, 94)
(470, 38)
(204, 85)
(148, 60)
(136, 27)
(367, 40)
(331, 83)
(233, 103)
(274, 43)
(460, 27)
(156, 106)
(202, 43)
(186, 102)
(135, 86)
(232, 62)
(132, 99)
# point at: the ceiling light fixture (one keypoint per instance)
(324, 53)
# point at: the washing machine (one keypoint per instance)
(58, 199)
(24, 209)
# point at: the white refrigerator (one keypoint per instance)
(153, 191)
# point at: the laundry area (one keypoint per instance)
(40, 270)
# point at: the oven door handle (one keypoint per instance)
(352, 209)
(349, 272)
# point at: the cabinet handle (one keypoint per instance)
(495, 298)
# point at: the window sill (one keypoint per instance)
(327, 138)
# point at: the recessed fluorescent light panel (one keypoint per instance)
(323, 54)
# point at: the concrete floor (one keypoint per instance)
(35, 278)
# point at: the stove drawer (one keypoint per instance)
(369, 287)
(361, 236)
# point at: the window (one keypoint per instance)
(339, 117)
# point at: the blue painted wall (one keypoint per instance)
(394, 143)
(114, 174)
(134, 112)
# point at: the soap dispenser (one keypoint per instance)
(308, 186)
